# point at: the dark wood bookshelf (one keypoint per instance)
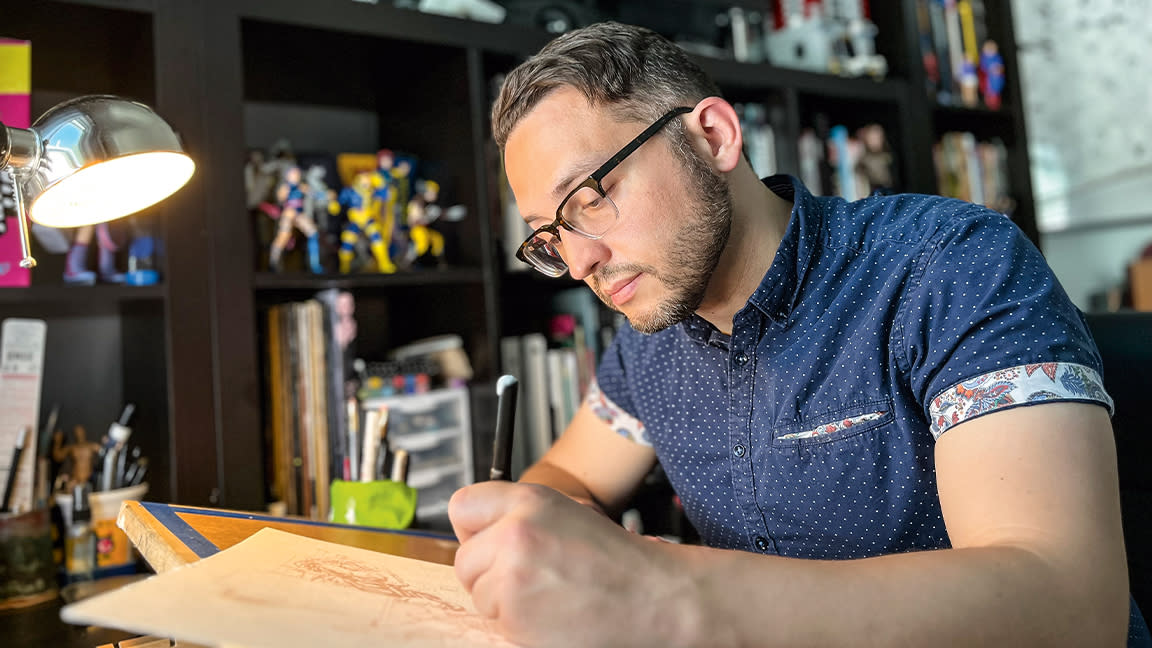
(191, 347)
(81, 296)
(275, 282)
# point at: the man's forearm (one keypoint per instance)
(547, 474)
(991, 596)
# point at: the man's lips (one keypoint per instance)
(622, 291)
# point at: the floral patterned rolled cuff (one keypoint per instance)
(621, 422)
(1023, 385)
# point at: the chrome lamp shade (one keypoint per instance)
(90, 160)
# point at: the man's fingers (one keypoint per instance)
(474, 508)
(476, 557)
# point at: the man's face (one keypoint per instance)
(654, 265)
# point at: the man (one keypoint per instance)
(832, 389)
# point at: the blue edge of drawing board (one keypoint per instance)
(169, 516)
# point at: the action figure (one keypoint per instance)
(422, 212)
(76, 459)
(397, 207)
(991, 74)
(76, 270)
(291, 195)
(874, 165)
(362, 206)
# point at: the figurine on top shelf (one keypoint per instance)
(835, 36)
(426, 243)
(76, 270)
(291, 196)
(401, 193)
(991, 74)
(362, 201)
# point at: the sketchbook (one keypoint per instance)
(281, 590)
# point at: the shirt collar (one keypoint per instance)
(780, 288)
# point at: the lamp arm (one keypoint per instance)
(19, 147)
(19, 150)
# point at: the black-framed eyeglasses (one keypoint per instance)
(586, 210)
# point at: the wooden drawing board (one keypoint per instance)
(170, 536)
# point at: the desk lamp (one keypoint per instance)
(89, 160)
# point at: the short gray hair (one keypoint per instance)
(635, 72)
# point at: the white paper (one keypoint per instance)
(280, 590)
(21, 368)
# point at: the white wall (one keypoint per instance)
(1086, 72)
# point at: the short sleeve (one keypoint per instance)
(986, 326)
(608, 394)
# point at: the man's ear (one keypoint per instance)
(713, 128)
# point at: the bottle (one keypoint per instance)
(80, 541)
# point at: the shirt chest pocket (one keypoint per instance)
(836, 425)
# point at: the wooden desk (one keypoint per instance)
(169, 536)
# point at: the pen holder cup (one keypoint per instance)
(113, 548)
(27, 569)
(385, 504)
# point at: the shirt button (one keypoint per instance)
(761, 543)
(739, 450)
(741, 358)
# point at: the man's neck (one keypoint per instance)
(759, 218)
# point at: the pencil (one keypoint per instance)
(506, 389)
(13, 469)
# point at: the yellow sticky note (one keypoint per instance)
(15, 67)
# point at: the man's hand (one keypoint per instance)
(552, 572)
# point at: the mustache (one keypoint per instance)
(607, 274)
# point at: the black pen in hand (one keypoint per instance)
(506, 389)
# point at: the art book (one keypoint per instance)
(281, 590)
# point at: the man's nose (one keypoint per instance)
(583, 255)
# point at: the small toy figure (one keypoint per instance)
(397, 206)
(991, 74)
(291, 195)
(76, 270)
(874, 165)
(77, 458)
(362, 206)
(969, 84)
(318, 197)
(422, 212)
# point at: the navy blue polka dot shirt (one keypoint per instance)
(809, 431)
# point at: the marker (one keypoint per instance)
(506, 389)
(399, 473)
(13, 469)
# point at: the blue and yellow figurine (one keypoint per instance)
(362, 205)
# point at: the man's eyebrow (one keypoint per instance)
(578, 169)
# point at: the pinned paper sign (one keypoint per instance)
(15, 111)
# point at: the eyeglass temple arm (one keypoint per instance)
(599, 174)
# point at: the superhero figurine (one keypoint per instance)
(422, 212)
(991, 74)
(362, 205)
(76, 264)
(291, 194)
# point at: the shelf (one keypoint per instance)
(272, 282)
(762, 75)
(144, 6)
(391, 22)
(983, 122)
(81, 295)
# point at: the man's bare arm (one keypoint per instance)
(593, 464)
